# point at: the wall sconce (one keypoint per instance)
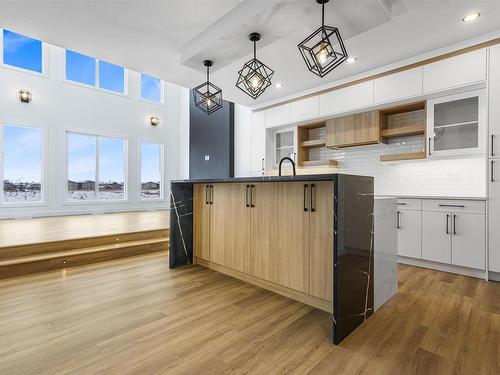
(24, 96)
(155, 121)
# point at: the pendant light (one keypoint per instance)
(207, 97)
(255, 76)
(324, 49)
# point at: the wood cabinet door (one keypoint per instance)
(354, 130)
(468, 243)
(201, 221)
(410, 233)
(264, 211)
(436, 236)
(321, 240)
(292, 246)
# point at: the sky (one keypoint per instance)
(22, 154)
(22, 51)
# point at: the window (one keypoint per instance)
(150, 88)
(94, 158)
(151, 171)
(111, 77)
(80, 68)
(22, 164)
(22, 52)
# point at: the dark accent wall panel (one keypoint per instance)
(213, 136)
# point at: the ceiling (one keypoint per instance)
(171, 38)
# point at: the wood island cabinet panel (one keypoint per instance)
(292, 246)
(263, 230)
(354, 130)
(321, 240)
(218, 222)
(201, 222)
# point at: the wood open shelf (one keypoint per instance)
(317, 163)
(407, 156)
(313, 143)
(403, 131)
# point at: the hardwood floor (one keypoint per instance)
(135, 316)
(20, 232)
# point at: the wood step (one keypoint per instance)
(22, 250)
(58, 260)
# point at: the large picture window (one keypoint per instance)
(22, 52)
(22, 164)
(94, 158)
(151, 171)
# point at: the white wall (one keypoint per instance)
(242, 140)
(62, 106)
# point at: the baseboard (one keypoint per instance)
(480, 274)
(319, 303)
(494, 276)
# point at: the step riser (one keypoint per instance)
(78, 260)
(57, 246)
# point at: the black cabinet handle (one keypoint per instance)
(252, 187)
(402, 204)
(430, 145)
(452, 205)
(305, 197)
(398, 220)
(313, 197)
(206, 194)
(246, 196)
(492, 145)
(211, 194)
(447, 223)
(454, 224)
(492, 172)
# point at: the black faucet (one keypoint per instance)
(291, 161)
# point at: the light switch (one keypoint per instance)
(207, 157)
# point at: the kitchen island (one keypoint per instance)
(307, 237)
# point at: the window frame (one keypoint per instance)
(45, 58)
(126, 73)
(126, 169)
(162, 197)
(162, 90)
(44, 167)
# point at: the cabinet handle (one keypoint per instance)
(252, 187)
(402, 204)
(447, 223)
(454, 224)
(452, 205)
(430, 146)
(492, 145)
(492, 175)
(246, 196)
(398, 220)
(313, 197)
(206, 194)
(211, 194)
(305, 197)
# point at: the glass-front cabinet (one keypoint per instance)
(456, 124)
(284, 144)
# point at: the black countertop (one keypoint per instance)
(308, 177)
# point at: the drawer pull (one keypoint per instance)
(447, 223)
(398, 221)
(402, 204)
(206, 194)
(313, 197)
(454, 224)
(246, 196)
(252, 187)
(211, 194)
(305, 197)
(452, 205)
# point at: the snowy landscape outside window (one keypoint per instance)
(94, 158)
(22, 164)
(151, 171)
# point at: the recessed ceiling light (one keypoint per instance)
(279, 85)
(351, 60)
(471, 17)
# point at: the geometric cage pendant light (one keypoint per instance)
(207, 97)
(255, 76)
(324, 49)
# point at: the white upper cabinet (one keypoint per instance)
(258, 143)
(456, 124)
(494, 99)
(397, 86)
(305, 109)
(454, 72)
(346, 99)
(278, 116)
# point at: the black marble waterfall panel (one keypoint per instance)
(181, 224)
(353, 254)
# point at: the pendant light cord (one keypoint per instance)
(254, 49)
(323, 14)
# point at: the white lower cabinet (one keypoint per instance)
(436, 236)
(410, 233)
(468, 240)
(494, 216)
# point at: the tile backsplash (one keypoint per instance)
(464, 177)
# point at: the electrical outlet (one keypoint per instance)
(207, 157)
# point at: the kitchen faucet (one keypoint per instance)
(291, 161)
